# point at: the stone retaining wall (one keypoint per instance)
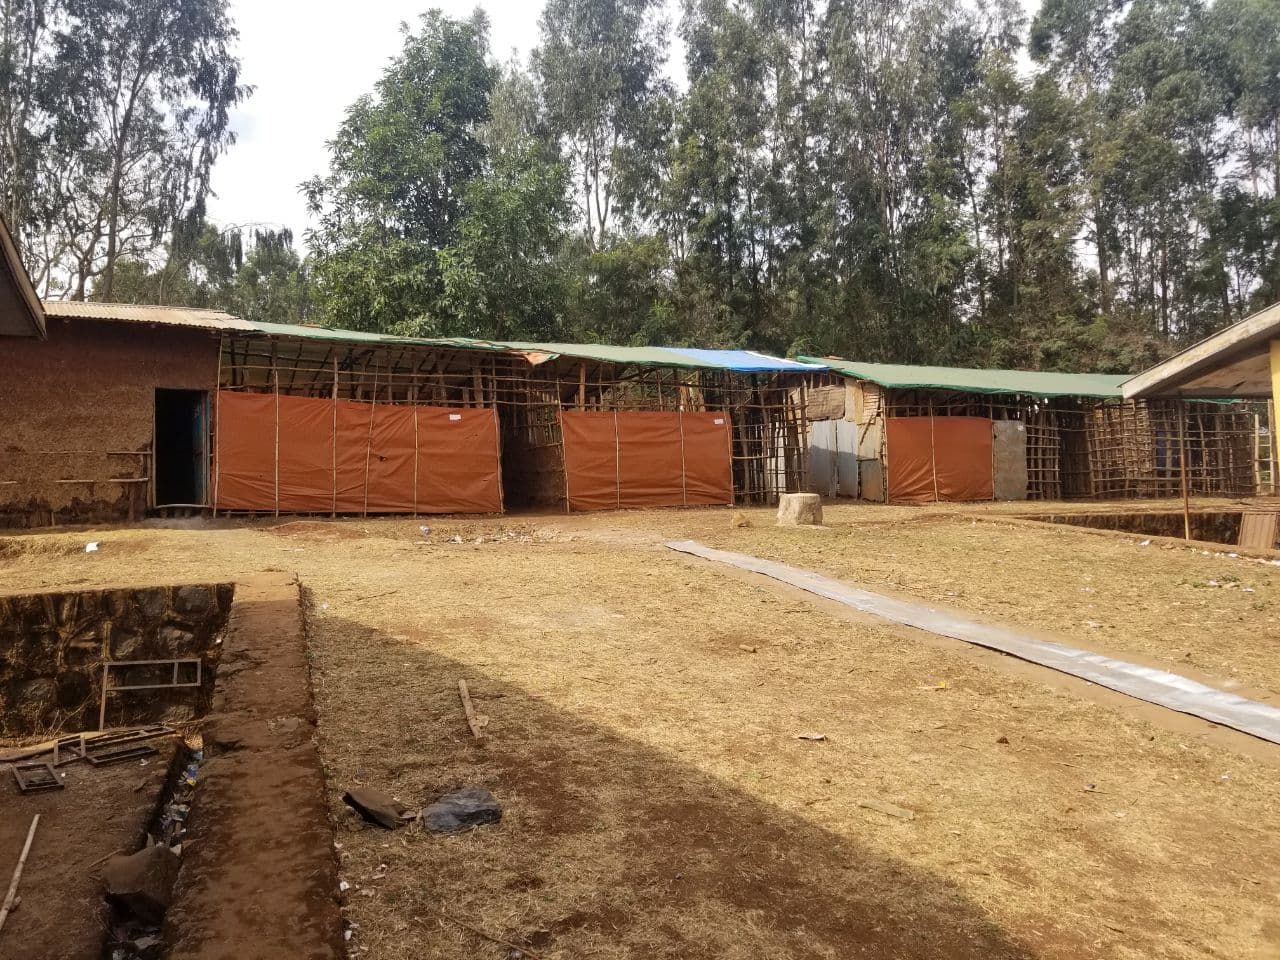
(52, 646)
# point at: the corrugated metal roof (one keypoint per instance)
(145, 313)
(738, 360)
(25, 293)
(1031, 383)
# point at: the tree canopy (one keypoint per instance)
(910, 180)
(112, 114)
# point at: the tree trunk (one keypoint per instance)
(1104, 263)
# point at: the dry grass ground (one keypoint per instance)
(644, 713)
(1217, 615)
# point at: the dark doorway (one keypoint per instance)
(181, 463)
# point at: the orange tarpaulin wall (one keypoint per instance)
(646, 459)
(939, 458)
(348, 457)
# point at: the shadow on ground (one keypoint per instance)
(609, 848)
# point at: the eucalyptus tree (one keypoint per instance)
(151, 86)
(599, 69)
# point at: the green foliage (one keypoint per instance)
(598, 71)
(207, 268)
(114, 112)
(915, 180)
(401, 167)
(502, 276)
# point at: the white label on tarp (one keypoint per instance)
(455, 416)
(719, 421)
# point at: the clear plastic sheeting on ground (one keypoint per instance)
(1145, 683)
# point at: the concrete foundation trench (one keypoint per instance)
(180, 814)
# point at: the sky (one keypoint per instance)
(308, 60)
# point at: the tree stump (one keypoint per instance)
(799, 509)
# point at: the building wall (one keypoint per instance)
(79, 407)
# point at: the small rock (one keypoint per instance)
(1003, 740)
(376, 807)
(799, 509)
(746, 648)
(460, 810)
(141, 884)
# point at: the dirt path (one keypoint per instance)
(258, 878)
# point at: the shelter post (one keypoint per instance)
(1182, 457)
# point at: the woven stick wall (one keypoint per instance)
(767, 412)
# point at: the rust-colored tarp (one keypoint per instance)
(646, 459)
(352, 457)
(939, 458)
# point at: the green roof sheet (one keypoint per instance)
(1031, 383)
(740, 360)
(216, 320)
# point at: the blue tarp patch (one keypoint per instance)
(744, 360)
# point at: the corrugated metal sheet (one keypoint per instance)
(144, 313)
(1032, 383)
(27, 320)
(737, 360)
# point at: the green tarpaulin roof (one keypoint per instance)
(1031, 383)
(202, 319)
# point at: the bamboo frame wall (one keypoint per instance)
(374, 373)
(766, 411)
(1090, 448)
(389, 373)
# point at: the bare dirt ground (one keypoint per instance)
(101, 811)
(643, 737)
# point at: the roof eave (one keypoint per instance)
(22, 281)
(1165, 378)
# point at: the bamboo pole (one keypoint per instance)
(564, 459)
(933, 455)
(1186, 495)
(368, 447)
(9, 897)
(217, 413)
(497, 428)
(333, 503)
(1275, 445)
(275, 382)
